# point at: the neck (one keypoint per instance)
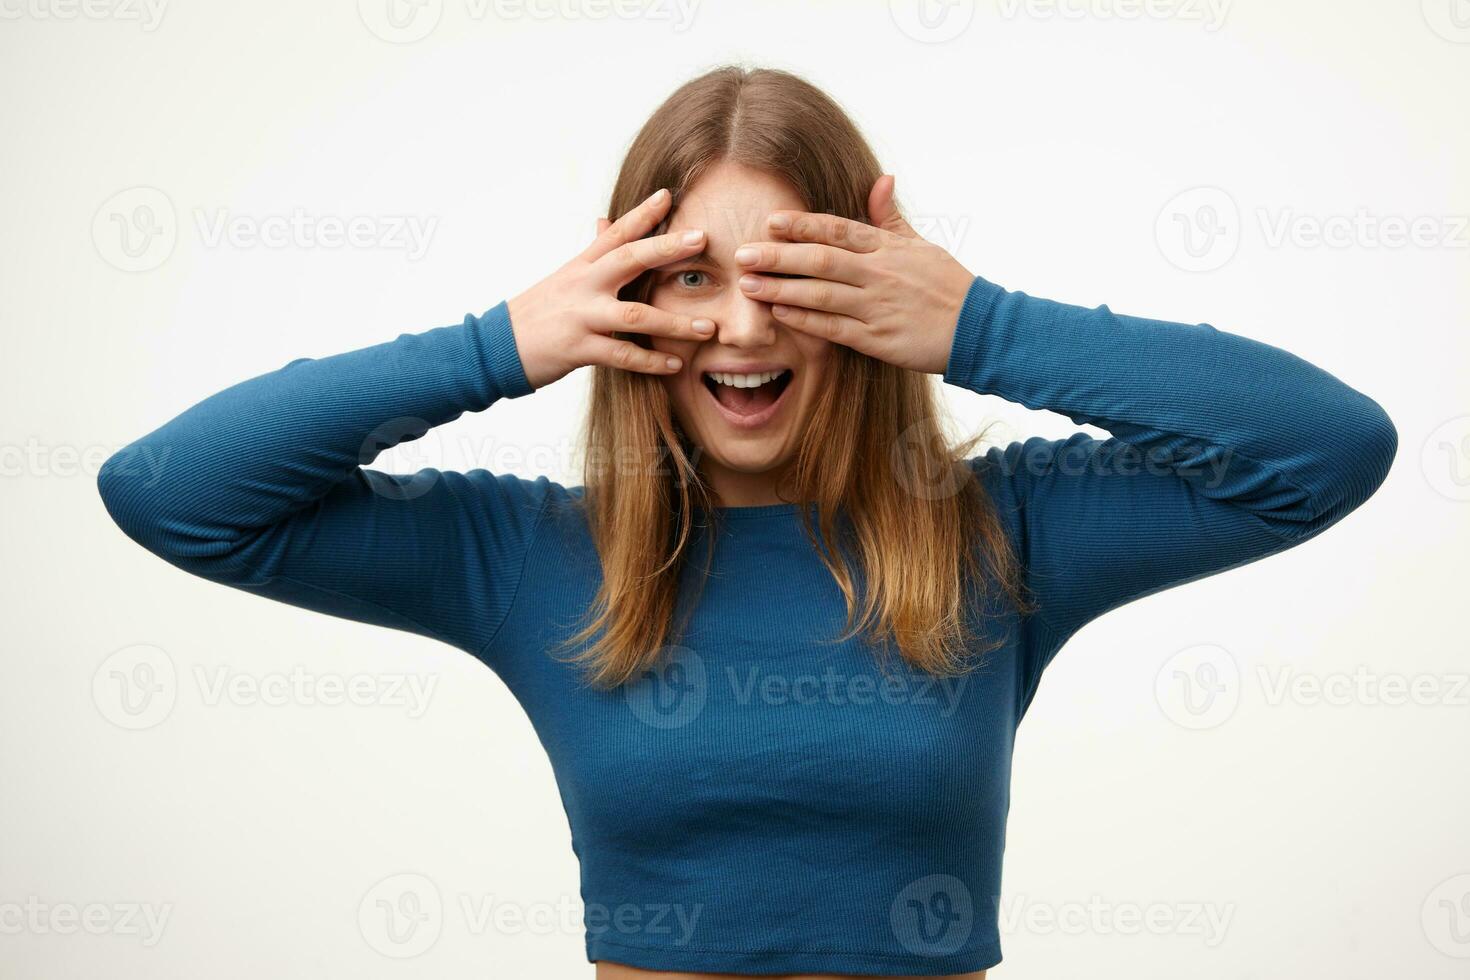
(734, 488)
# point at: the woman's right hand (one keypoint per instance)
(567, 320)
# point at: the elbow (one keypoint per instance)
(1342, 463)
(127, 494)
(1375, 442)
(140, 499)
(1366, 443)
(165, 514)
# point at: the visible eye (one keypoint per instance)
(690, 278)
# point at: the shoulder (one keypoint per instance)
(1019, 466)
(1044, 490)
(1014, 475)
(504, 507)
(550, 508)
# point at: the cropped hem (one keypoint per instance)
(780, 963)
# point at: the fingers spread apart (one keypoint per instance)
(628, 356)
(630, 227)
(627, 262)
(802, 259)
(651, 321)
(813, 294)
(827, 229)
(829, 326)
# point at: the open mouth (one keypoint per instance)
(747, 400)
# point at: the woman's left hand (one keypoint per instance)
(878, 288)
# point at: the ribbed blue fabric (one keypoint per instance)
(768, 802)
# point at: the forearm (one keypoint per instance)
(252, 455)
(1242, 421)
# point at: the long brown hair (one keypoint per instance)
(920, 530)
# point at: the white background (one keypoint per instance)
(1047, 147)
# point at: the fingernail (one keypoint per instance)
(780, 310)
(780, 222)
(750, 283)
(703, 325)
(672, 362)
(693, 237)
(657, 195)
(747, 255)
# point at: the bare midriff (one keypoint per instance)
(617, 971)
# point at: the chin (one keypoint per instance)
(750, 463)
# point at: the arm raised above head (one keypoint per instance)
(1223, 449)
(264, 486)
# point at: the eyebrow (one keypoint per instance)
(702, 258)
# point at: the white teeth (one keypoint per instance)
(745, 380)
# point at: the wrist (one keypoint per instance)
(507, 371)
(539, 368)
(955, 290)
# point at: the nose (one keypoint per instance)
(746, 323)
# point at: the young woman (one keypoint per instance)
(777, 646)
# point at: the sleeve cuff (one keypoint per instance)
(503, 360)
(969, 332)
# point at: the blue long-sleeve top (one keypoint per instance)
(768, 802)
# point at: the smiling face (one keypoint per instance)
(744, 396)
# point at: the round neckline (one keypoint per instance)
(749, 511)
(735, 512)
